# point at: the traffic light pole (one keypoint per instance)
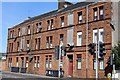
(97, 52)
(59, 61)
(113, 67)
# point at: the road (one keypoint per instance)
(24, 76)
(20, 76)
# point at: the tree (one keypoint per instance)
(116, 51)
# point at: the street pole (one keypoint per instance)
(97, 52)
(113, 67)
(59, 61)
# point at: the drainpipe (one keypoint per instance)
(86, 41)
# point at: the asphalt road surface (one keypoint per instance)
(24, 76)
(17, 76)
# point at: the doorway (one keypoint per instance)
(70, 65)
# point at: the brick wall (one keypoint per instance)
(83, 73)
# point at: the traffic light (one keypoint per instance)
(92, 48)
(101, 50)
(56, 53)
(63, 51)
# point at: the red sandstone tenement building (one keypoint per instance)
(31, 44)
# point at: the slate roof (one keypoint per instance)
(73, 6)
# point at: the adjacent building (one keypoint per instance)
(31, 44)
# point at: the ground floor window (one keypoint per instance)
(38, 62)
(22, 64)
(94, 63)
(16, 61)
(35, 62)
(79, 61)
(9, 62)
(46, 62)
(26, 61)
(102, 64)
(50, 61)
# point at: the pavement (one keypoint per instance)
(6, 75)
(23, 76)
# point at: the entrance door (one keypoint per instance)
(70, 64)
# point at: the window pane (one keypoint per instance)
(79, 64)
(101, 64)
(79, 39)
(94, 64)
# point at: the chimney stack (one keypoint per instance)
(63, 4)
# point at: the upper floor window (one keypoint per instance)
(101, 35)
(18, 46)
(52, 24)
(36, 44)
(70, 19)
(62, 21)
(79, 17)
(79, 39)
(61, 39)
(23, 31)
(51, 41)
(101, 12)
(95, 36)
(28, 29)
(38, 27)
(95, 14)
(48, 23)
(12, 48)
(28, 43)
(19, 32)
(11, 34)
(47, 42)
